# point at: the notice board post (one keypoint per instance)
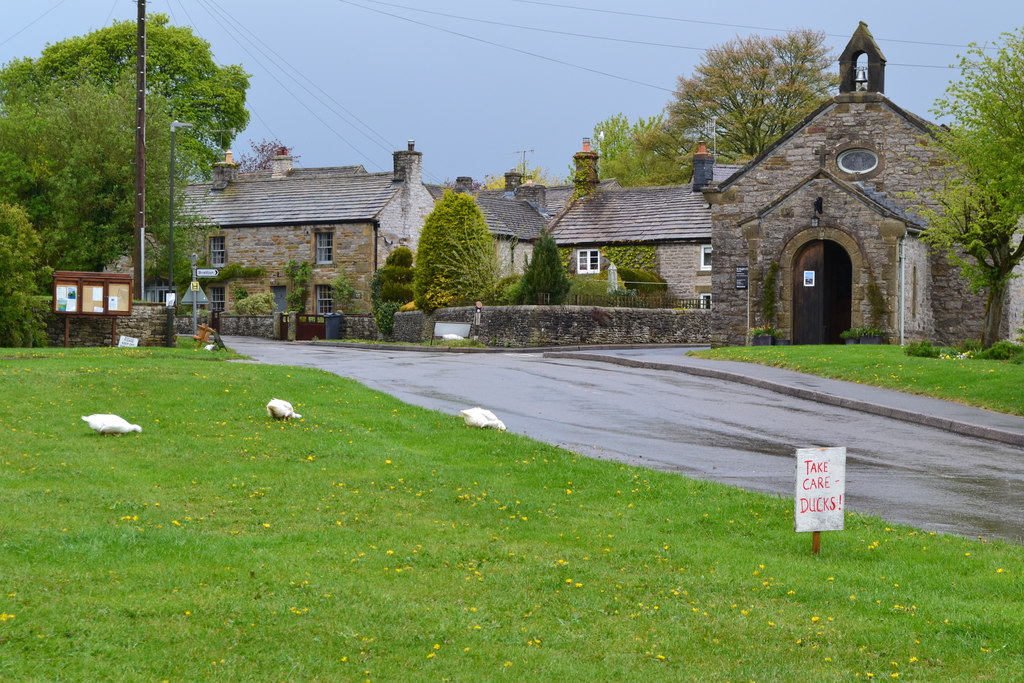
(85, 294)
(820, 491)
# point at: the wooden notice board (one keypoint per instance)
(83, 293)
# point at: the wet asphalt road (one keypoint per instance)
(699, 427)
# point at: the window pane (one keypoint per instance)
(324, 247)
(324, 300)
(218, 255)
(705, 257)
(216, 298)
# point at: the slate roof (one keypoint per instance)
(635, 214)
(305, 196)
(509, 217)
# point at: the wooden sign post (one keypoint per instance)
(820, 491)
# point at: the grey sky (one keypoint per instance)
(477, 83)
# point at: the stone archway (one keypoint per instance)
(820, 272)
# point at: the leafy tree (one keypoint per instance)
(456, 260)
(545, 277)
(754, 89)
(643, 153)
(20, 277)
(67, 158)
(182, 78)
(979, 220)
(263, 153)
(538, 175)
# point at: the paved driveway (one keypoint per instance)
(700, 427)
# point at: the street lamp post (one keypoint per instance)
(175, 125)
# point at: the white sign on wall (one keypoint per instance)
(820, 488)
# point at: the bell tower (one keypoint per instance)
(869, 77)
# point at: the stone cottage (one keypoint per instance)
(824, 217)
(667, 228)
(341, 220)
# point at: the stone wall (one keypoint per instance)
(679, 264)
(235, 325)
(147, 323)
(525, 326)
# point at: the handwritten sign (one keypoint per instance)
(820, 488)
(129, 342)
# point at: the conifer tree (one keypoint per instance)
(545, 274)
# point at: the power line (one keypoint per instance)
(513, 49)
(725, 24)
(258, 60)
(30, 24)
(542, 30)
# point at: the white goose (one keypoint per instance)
(481, 417)
(281, 409)
(110, 424)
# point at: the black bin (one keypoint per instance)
(333, 325)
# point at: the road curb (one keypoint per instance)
(955, 426)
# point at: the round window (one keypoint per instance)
(857, 161)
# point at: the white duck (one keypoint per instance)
(481, 417)
(110, 424)
(281, 409)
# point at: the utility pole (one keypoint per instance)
(140, 149)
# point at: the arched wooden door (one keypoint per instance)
(822, 288)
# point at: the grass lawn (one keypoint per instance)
(995, 385)
(373, 540)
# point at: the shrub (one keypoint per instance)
(21, 270)
(1003, 350)
(508, 290)
(384, 315)
(643, 281)
(456, 260)
(396, 277)
(343, 292)
(301, 274)
(239, 293)
(255, 304)
(921, 349)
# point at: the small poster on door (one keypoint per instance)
(808, 278)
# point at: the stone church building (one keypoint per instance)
(824, 215)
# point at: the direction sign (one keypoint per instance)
(207, 272)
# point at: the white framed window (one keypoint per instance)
(705, 300)
(217, 298)
(705, 257)
(324, 300)
(588, 261)
(325, 247)
(218, 252)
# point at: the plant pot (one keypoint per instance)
(852, 341)
(762, 340)
(870, 340)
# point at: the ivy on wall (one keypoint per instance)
(234, 270)
(634, 256)
(301, 274)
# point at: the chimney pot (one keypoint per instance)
(412, 145)
(586, 144)
(228, 158)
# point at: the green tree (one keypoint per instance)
(642, 153)
(67, 158)
(978, 222)
(752, 90)
(182, 77)
(455, 260)
(21, 274)
(545, 277)
(396, 276)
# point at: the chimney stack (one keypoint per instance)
(280, 165)
(703, 168)
(224, 172)
(408, 164)
(513, 179)
(585, 179)
(464, 184)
